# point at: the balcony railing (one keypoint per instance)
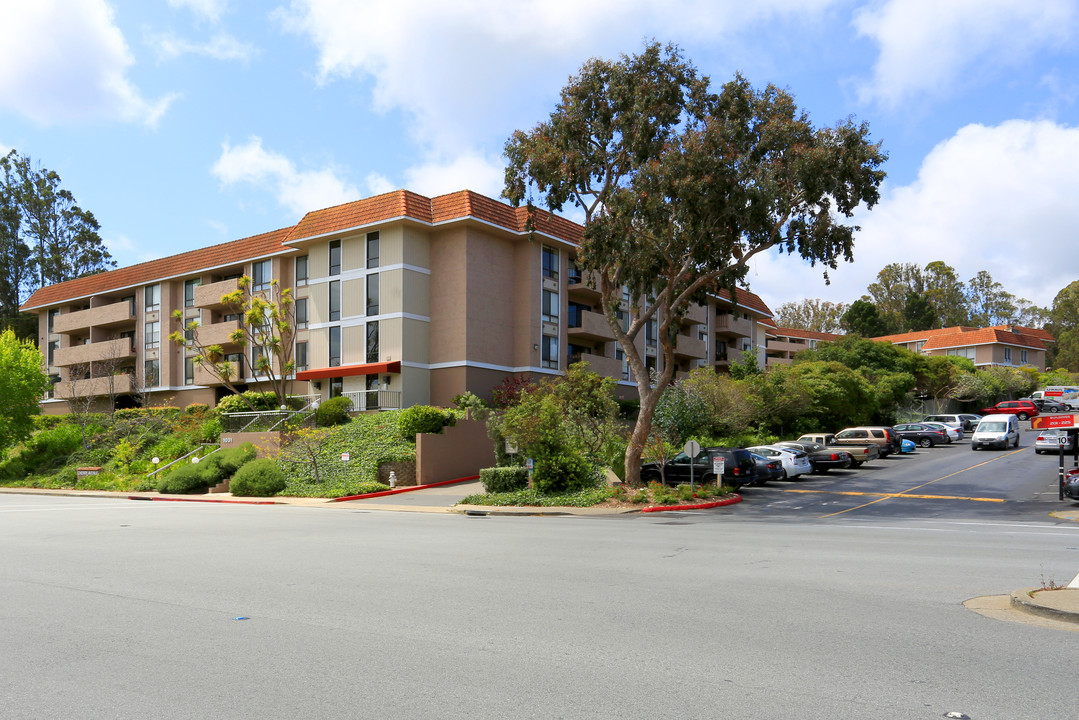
(218, 333)
(608, 367)
(102, 316)
(93, 387)
(365, 400)
(690, 347)
(209, 296)
(736, 326)
(589, 325)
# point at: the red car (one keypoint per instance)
(1022, 409)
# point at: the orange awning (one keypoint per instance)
(349, 370)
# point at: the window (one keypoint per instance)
(651, 333)
(153, 335)
(620, 355)
(189, 370)
(550, 306)
(550, 263)
(372, 342)
(337, 386)
(575, 277)
(967, 352)
(260, 360)
(575, 314)
(335, 300)
(151, 373)
(261, 275)
(372, 249)
(153, 298)
(1023, 356)
(233, 317)
(549, 358)
(189, 291)
(918, 345)
(52, 317)
(335, 346)
(236, 366)
(301, 312)
(53, 344)
(301, 270)
(1007, 354)
(650, 366)
(372, 294)
(301, 356)
(335, 257)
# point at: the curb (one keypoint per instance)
(698, 506)
(203, 500)
(398, 491)
(1021, 600)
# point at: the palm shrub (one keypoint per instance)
(258, 478)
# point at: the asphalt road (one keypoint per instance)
(122, 609)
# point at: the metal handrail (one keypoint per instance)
(202, 446)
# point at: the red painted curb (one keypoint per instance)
(410, 488)
(203, 500)
(700, 506)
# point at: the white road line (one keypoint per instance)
(53, 508)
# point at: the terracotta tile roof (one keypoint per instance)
(747, 300)
(1038, 333)
(399, 203)
(923, 334)
(230, 253)
(807, 334)
(985, 336)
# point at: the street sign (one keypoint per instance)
(1062, 440)
(692, 448)
(1061, 420)
(344, 457)
(718, 465)
(529, 464)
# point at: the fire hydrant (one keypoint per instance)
(393, 479)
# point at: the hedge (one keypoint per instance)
(504, 479)
(334, 411)
(424, 419)
(258, 478)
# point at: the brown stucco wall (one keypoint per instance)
(457, 452)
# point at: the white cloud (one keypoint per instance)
(207, 9)
(928, 46)
(67, 61)
(468, 171)
(378, 184)
(221, 46)
(1000, 199)
(459, 69)
(298, 190)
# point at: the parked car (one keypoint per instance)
(955, 421)
(860, 450)
(882, 436)
(996, 431)
(921, 434)
(795, 462)
(821, 458)
(1022, 409)
(767, 469)
(970, 421)
(953, 433)
(1049, 441)
(739, 468)
(1049, 405)
(1071, 484)
(908, 446)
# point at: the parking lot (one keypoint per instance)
(943, 481)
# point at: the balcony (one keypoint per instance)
(205, 377)
(589, 326)
(605, 366)
(368, 400)
(689, 347)
(580, 287)
(734, 326)
(209, 296)
(103, 316)
(93, 387)
(218, 333)
(107, 351)
(696, 315)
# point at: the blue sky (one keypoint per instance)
(184, 123)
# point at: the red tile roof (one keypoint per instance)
(747, 300)
(909, 337)
(188, 263)
(985, 336)
(807, 334)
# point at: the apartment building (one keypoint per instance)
(1004, 345)
(400, 299)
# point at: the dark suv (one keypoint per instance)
(739, 468)
(1022, 409)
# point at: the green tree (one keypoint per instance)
(61, 236)
(732, 405)
(22, 384)
(946, 293)
(838, 396)
(1064, 326)
(266, 331)
(863, 319)
(889, 292)
(812, 314)
(680, 414)
(942, 375)
(918, 313)
(990, 304)
(681, 187)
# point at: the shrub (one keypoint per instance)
(565, 473)
(224, 463)
(258, 478)
(185, 480)
(424, 419)
(504, 479)
(196, 409)
(170, 448)
(210, 431)
(235, 403)
(334, 411)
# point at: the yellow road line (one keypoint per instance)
(901, 495)
(958, 472)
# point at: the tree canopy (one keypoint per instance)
(812, 314)
(681, 187)
(22, 385)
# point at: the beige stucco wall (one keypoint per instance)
(457, 452)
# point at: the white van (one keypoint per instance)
(997, 431)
